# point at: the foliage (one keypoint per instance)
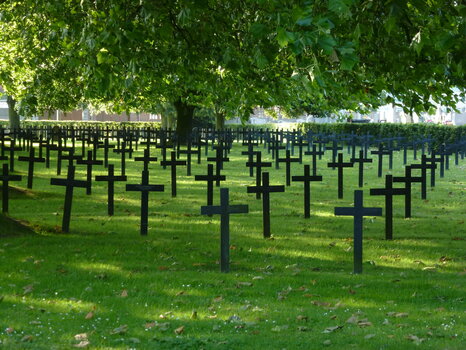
(232, 55)
(439, 133)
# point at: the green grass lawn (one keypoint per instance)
(103, 286)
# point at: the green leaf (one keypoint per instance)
(340, 7)
(260, 60)
(327, 43)
(282, 38)
(305, 21)
(348, 61)
(258, 30)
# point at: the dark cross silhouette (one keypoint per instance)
(12, 149)
(6, 178)
(265, 189)
(70, 183)
(173, 163)
(300, 144)
(380, 153)
(388, 192)
(424, 166)
(110, 179)
(106, 146)
(89, 162)
(275, 145)
(258, 164)
(225, 210)
(288, 160)
(432, 160)
(340, 165)
(146, 159)
(188, 151)
(307, 179)
(250, 153)
(71, 157)
(210, 178)
(314, 153)
(145, 188)
(31, 161)
(408, 179)
(361, 160)
(358, 212)
(219, 158)
(122, 151)
(335, 148)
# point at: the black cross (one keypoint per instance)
(288, 160)
(122, 151)
(258, 164)
(189, 151)
(340, 165)
(210, 178)
(6, 178)
(106, 146)
(146, 159)
(145, 188)
(358, 212)
(335, 148)
(12, 149)
(71, 157)
(307, 178)
(424, 166)
(70, 183)
(219, 158)
(276, 145)
(314, 154)
(173, 163)
(408, 179)
(110, 179)
(433, 159)
(380, 153)
(250, 153)
(388, 192)
(225, 210)
(361, 160)
(89, 162)
(31, 160)
(265, 189)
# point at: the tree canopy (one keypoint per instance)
(232, 55)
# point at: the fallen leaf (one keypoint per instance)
(415, 339)
(120, 330)
(82, 344)
(303, 329)
(179, 330)
(89, 315)
(369, 336)
(27, 339)
(180, 293)
(332, 329)
(243, 284)
(218, 299)
(28, 289)
(327, 342)
(150, 325)
(280, 328)
(194, 315)
(9, 330)
(124, 293)
(302, 318)
(81, 336)
(353, 319)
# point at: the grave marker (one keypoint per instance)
(70, 183)
(307, 178)
(145, 188)
(358, 212)
(173, 163)
(6, 178)
(265, 189)
(361, 160)
(225, 210)
(110, 179)
(31, 161)
(340, 165)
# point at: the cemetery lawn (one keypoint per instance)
(103, 286)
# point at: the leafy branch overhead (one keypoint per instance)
(232, 55)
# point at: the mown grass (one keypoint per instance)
(294, 291)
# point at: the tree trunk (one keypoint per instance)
(13, 115)
(184, 125)
(220, 120)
